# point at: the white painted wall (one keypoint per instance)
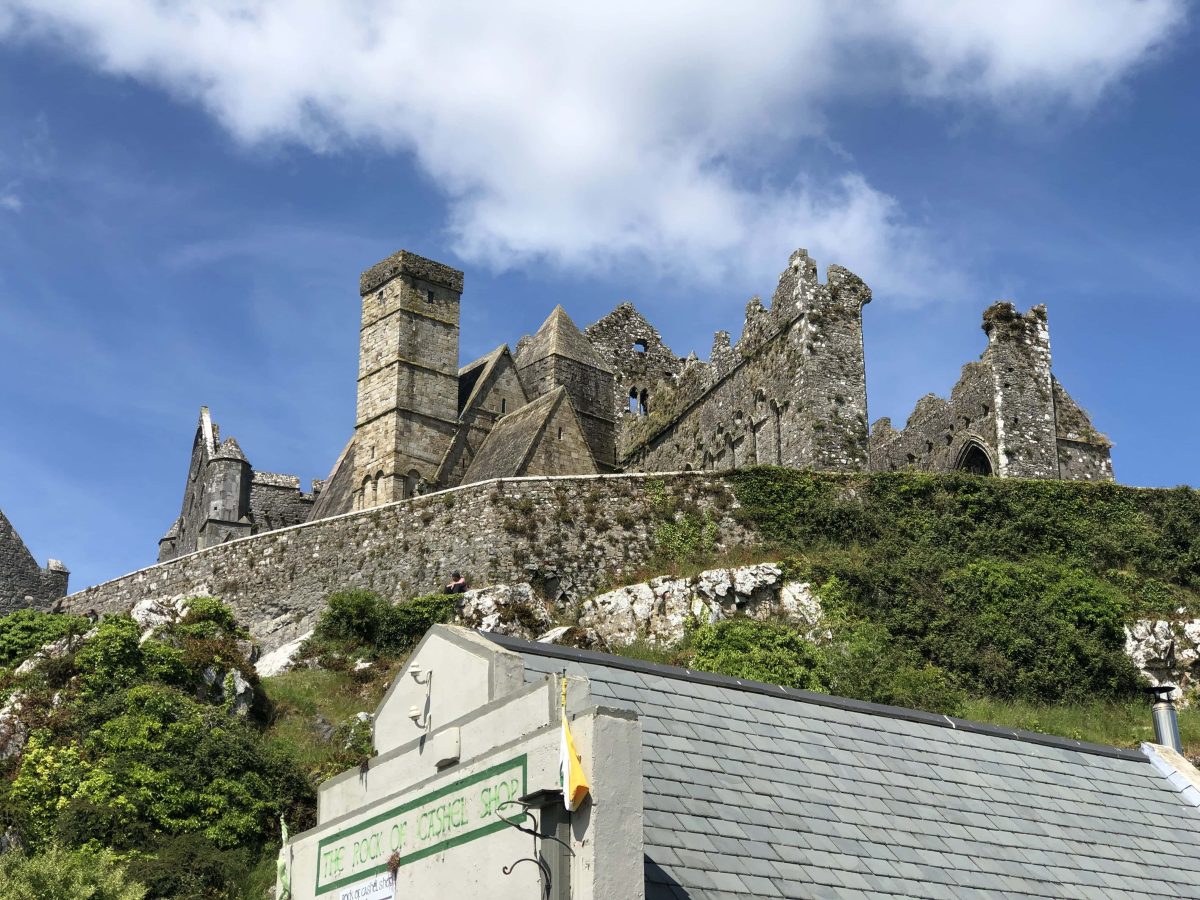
(446, 823)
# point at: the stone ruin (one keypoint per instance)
(23, 583)
(615, 398)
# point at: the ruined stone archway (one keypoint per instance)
(974, 460)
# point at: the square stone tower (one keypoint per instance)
(407, 376)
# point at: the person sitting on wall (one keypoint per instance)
(457, 585)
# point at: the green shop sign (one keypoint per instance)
(453, 815)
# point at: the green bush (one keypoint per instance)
(27, 630)
(140, 754)
(406, 623)
(759, 651)
(1014, 589)
(191, 867)
(208, 618)
(1034, 631)
(363, 619)
(59, 874)
(863, 661)
(352, 616)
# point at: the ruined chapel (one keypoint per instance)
(613, 397)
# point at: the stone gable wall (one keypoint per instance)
(1009, 406)
(590, 390)
(635, 351)
(21, 577)
(791, 392)
(570, 536)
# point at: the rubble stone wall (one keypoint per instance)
(1007, 415)
(791, 392)
(570, 537)
(23, 583)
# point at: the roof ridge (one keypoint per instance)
(560, 336)
(939, 720)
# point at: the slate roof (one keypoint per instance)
(757, 791)
(506, 451)
(337, 496)
(560, 336)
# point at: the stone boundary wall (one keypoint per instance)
(570, 537)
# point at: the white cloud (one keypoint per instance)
(587, 135)
(10, 201)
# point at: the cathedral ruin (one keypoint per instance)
(614, 398)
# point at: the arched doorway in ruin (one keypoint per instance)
(974, 460)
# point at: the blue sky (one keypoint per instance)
(188, 192)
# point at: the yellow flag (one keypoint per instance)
(574, 783)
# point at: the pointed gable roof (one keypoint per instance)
(507, 449)
(513, 441)
(474, 376)
(559, 336)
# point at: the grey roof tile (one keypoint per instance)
(781, 795)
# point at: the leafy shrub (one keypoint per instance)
(112, 660)
(59, 874)
(364, 619)
(352, 616)
(26, 630)
(1015, 589)
(1035, 631)
(406, 623)
(208, 618)
(864, 662)
(770, 652)
(141, 755)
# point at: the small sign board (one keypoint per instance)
(458, 813)
(378, 887)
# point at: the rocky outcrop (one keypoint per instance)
(507, 609)
(153, 613)
(1165, 652)
(660, 610)
(282, 658)
(657, 611)
(13, 731)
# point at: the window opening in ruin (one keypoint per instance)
(986, 409)
(429, 296)
(633, 400)
(560, 434)
(777, 412)
(639, 346)
(974, 460)
(503, 406)
(644, 403)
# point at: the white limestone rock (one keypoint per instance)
(659, 611)
(280, 659)
(1165, 652)
(150, 614)
(13, 732)
(52, 650)
(239, 694)
(512, 609)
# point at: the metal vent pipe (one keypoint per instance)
(1166, 722)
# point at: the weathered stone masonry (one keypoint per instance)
(23, 582)
(570, 536)
(1008, 415)
(224, 498)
